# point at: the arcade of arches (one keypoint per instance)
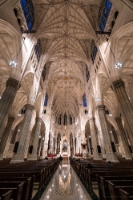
(66, 75)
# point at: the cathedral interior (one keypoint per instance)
(66, 99)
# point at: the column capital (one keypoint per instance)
(118, 83)
(12, 82)
(29, 107)
(38, 119)
(101, 107)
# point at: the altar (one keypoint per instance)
(65, 156)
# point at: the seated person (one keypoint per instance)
(110, 163)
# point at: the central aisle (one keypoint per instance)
(65, 184)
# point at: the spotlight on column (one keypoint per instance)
(118, 65)
(13, 63)
(110, 114)
(33, 99)
(18, 130)
(97, 99)
(19, 114)
(43, 138)
(39, 136)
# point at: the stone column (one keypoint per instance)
(51, 144)
(19, 156)
(55, 143)
(45, 149)
(96, 155)
(123, 138)
(110, 155)
(6, 102)
(40, 147)
(5, 136)
(33, 156)
(58, 145)
(125, 106)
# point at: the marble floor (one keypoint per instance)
(65, 185)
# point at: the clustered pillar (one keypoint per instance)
(19, 156)
(96, 155)
(33, 156)
(123, 138)
(125, 106)
(6, 102)
(6, 135)
(110, 155)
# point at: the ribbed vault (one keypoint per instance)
(66, 31)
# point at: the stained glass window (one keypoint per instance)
(46, 100)
(104, 13)
(94, 52)
(28, 11)
(102, 27)
(103, 21)
(108, 5)
(87, 74)
(28, 19)
(37, 50)
(30, 25)
(23, 3)
(84, 100)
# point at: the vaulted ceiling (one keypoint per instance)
(66, 29)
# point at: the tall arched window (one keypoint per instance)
(94, 51)
(59, 120)
(87, 74)
(65, 119)
(84, 100)
(37, 50)
(46, 100)
(44, 73)
(70, 120)
(28, 11)
(104, 11)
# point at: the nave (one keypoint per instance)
(65, 184)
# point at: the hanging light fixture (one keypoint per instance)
(118, 65)
(13, 63)
(33, 99)
(98, 99)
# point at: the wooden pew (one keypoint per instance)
(28, 185)
(40, 172)
(93, 174)
(6, 195)
(17, 189)
(126, 194)
(103, 184)
(114, 187)
(37, 175)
